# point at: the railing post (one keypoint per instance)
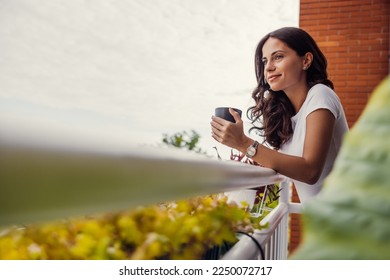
(283, 236)
(284, 192)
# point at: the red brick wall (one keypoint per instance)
(295, 226)
(354, 36)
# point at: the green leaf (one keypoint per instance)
(350, 219)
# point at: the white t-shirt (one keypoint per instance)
(318, 97)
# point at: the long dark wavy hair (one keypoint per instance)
(273, 109)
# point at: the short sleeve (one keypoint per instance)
(323, 97)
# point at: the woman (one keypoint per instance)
(297, 112)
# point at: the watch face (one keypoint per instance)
(251, 151)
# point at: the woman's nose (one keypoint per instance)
(269, 66)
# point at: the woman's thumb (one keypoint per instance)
(236, 115)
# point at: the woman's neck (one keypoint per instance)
(297, 96)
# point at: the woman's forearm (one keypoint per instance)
(294, 167)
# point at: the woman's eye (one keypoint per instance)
(278, 57)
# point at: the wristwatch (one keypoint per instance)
(252, 149)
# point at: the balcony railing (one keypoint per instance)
(271, 242)
(40, 183)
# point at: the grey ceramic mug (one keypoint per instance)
(223, 112)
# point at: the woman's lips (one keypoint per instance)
(272, 78)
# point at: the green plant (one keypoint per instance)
(184, 140)
(350, 218)
(184, 229)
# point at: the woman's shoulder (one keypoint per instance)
(321, 91)
(320, 88)
(322, 96)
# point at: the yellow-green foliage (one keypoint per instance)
(178, 230)
(351, 217)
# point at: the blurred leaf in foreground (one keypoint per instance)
(350, 219)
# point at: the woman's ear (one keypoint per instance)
(307, 60)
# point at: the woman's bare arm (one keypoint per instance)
(308, 168)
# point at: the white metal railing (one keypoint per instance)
(273, 239)
(40, 183)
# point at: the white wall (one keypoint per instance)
(126, 72)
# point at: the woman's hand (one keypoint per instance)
(228, 133)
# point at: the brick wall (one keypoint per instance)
(354, 36)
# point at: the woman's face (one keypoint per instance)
(283, 68)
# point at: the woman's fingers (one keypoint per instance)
(235, 115)
(219, 121)
(217, 128)
(225, 131)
